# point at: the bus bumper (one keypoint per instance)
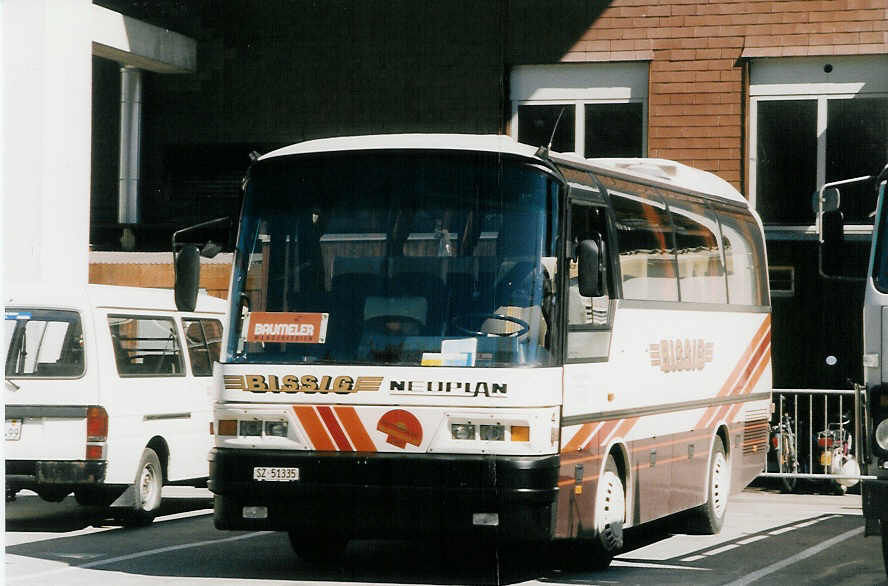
(387, 495)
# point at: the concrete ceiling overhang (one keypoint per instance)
(139, 44)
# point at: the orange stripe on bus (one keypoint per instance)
(313, 426)
(579, 439)
(355, 429)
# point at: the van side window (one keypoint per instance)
(43, 343)
(647, 250)
(146, 346)
(203, 338)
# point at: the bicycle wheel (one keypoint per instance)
(788, 461)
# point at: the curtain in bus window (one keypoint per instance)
(646, 247)
(744, 258)
(701, 274)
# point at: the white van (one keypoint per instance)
(108, 394)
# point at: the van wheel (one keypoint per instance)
(148, 487)
(708, 518)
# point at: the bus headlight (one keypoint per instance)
(276, 428)
(493, 432)
(462, 431)
(881, 435)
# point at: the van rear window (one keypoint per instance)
(43, 343)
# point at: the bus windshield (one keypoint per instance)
(407, 258)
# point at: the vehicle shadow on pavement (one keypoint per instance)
(30, 513)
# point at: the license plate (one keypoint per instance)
(13, 430)
(275, 474)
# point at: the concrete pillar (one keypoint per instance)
(46, 130)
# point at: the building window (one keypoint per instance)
(603, 108)
(816, 120)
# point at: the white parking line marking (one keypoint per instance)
(693, 558)
(781, 531)
(625, 564)
(723, 549)
(136, 555)
(185, 515)
(752, 539)
(804, 554)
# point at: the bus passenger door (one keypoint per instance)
(586, 381)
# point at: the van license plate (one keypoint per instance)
(275, 474)
(13, 430)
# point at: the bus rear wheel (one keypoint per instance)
(708, 518)
(318, 549)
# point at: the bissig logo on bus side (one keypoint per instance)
(307, 383)
(677, 355)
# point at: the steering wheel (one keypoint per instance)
(525, 327)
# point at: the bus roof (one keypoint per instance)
(105, 296)
(657, 172)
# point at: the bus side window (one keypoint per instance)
(647, 250)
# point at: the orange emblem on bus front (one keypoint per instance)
(401, 427)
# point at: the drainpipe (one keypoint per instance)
(130, 144)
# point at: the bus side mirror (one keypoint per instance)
(588, 264)
(187, 275)
(831, 228)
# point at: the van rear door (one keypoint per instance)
(48, 383)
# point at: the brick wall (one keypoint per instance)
(697, 94)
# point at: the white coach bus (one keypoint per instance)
(458, 335)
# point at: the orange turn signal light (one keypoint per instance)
(520, 433)
(227, 427)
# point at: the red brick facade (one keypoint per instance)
(697, 93)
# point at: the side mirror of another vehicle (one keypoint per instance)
(187, 274)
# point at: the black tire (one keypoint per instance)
(708, 518)
(148, 486)
(318, 549)
(884, 530)
(53, 495)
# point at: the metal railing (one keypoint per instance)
(817, 417)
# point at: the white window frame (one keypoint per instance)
(806, 78)
(578, 84)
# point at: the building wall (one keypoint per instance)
(697, 94)
(276, 72)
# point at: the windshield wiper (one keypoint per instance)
(12, 385)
